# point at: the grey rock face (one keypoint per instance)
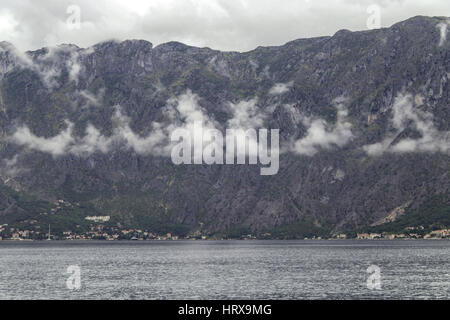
(338, 186)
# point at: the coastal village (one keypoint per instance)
(435, 234)
(99, 231)
(96, 232)
(102, 228)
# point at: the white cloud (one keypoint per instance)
(93, 141)
(443, 26)
(56, 145)
(8, 26)
(50, 65)
(186, 113)
(221, 24)
(246, 115)
(280, 88)
(74, 67)
(10, 167)
(183, 112)
(322, 135)
(405, 114)
(154, 143)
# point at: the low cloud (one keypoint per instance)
(280, 88)
(322, 135)
(182, 112)
(74, 66)
(185, 113)
(10, 167)
(50, 65)
(406, 114)
(93, 141)
(443, 26)
(56, 145)
(246, 115)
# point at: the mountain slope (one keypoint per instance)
(363, 119)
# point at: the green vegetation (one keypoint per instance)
(236, 232)
(298, 230)
(431, 215)
(25, 206)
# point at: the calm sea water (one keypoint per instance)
(226, 269)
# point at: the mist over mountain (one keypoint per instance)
(363, 119)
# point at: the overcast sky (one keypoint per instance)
(239, 25)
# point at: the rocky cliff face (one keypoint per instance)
(363, 119)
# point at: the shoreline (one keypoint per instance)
(224, 240)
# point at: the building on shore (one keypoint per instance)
(370, 236)
(98, 218)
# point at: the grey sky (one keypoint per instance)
(220, 24)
